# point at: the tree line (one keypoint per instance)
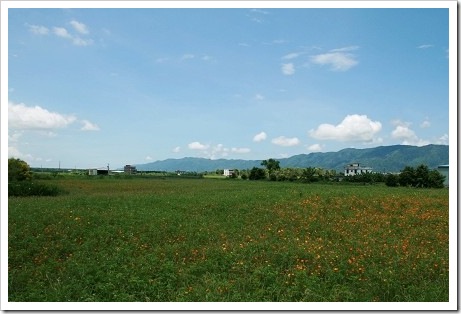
(420, 176)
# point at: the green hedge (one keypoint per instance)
(29, 188)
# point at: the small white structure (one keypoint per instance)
(355, 169)
(228, 172)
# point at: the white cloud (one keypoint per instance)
(79, 27)
(338, 59)
(149, 158)
(292, 55)
(344, 49)
(425, 124)
(288, 68)
(88, 126)
(197, 146)
(240, 150)
(315, 148)
(187, 56)
(355, 128)
(177, 149)
(61, 32)
(77, 41)
(259, 97)
(38, 29)
(425, 46)
(407, 136)
(285, 141)
(22, 117)
(443, 140)
(260, 137)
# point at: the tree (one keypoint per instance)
(435, 179)
(271, 165)
(18, 170)
(257, 174)
(308, 175)
(407, 176)
(392, 180)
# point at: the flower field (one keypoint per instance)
(178, 240)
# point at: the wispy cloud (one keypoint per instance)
(88, 126)
(354, 128)
(187, 56)
(38, 29)
(76, 38)
(426, 46)
(337, 59)
(288, 69)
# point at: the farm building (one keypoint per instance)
(98, 171)
(443, 169)
(228, 172)
(355, 169)
(128, 169)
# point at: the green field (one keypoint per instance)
(227, 240)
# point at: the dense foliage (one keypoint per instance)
(420, 177)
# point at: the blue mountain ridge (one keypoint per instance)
(382, 159)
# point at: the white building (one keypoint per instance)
(228, 172)
(355, 169)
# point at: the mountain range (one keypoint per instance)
(382, 159)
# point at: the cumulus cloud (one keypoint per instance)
(285, 141)
(79, 27)
(260, 137)
(407, 136)
(197, 146)
(23, 117)
(337, 59)
(288, 69)
(354, 128)
(88, 126)
(177, 149)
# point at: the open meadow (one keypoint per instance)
(178, 239)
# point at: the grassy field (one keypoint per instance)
(228, 240)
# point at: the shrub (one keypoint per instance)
(30, 188)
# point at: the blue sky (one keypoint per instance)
(91, 87)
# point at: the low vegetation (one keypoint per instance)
(176, 239)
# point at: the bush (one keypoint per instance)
(257, 174)
(29, 188)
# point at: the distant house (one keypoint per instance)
(98, 171)
(443, 169)
(355, 169)
(128, 169)
(228, 172)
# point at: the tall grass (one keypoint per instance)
(225, 240)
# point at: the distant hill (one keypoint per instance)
(382, 159)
